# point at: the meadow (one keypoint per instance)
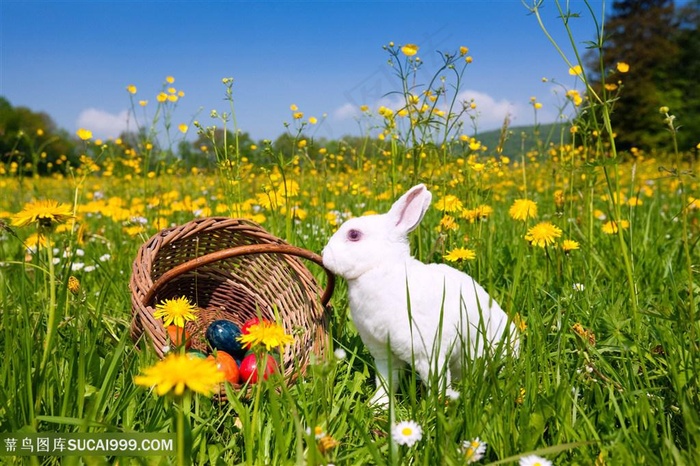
(591, 252)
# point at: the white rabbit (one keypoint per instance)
(386, 285)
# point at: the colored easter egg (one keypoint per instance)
(249, 368)
(227, 365)
(223, 335)
(248, 323)
(178, 335)
(194, 353)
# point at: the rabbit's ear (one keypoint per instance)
(409, 209)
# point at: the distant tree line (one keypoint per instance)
(661, 43)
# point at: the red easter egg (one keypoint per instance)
(227, 365)
(177, 334)
(249, 368)
(248, 323)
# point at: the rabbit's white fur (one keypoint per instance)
(386, 285)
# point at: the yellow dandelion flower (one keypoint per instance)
(143, 103)
(483, 212)
(611, 227)
(162, 97)
(559, 199)
(45, 213)
(182, 127)
(449, 203)
(313, 120)
(84, 134)
(522, 209)
(448, 223)
(610, 86)
(178, 372)
(298, 115)
(463, 50)
(175, 311)
(169, 79)
(460, 254)
(293, 107)
(543, 234)
(409, 50)
(266, 333)
(131, 89)
(35, 241)
(569, 245)
(622, 67)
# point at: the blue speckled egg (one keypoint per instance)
(223, 335)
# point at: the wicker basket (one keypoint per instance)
(231, 269)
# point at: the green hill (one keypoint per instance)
(521, 139)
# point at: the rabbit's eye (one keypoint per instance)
(354, 235)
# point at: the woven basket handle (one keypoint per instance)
(241, 251)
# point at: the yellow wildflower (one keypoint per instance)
(409, 50)
(622, 67)
(576, 70)
(179, 371)
(569, 245)
(543, 234)
(460, 254)
(522, 209)
(45, 213)
(270, 334)
(611, 227)
(84, 134)
(449, 203)
(175, 311)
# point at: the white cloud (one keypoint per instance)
(490, 111)
(346, 112)
(102, 123)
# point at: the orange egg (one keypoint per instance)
(176, 335)
(227, 365)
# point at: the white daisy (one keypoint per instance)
(406, 433)
(534, 460)
(473, 450)
(340, 353)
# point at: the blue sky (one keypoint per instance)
(73, 60)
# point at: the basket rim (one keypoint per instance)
(264, 248)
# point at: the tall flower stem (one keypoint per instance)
(182, 414)
(51, 322)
